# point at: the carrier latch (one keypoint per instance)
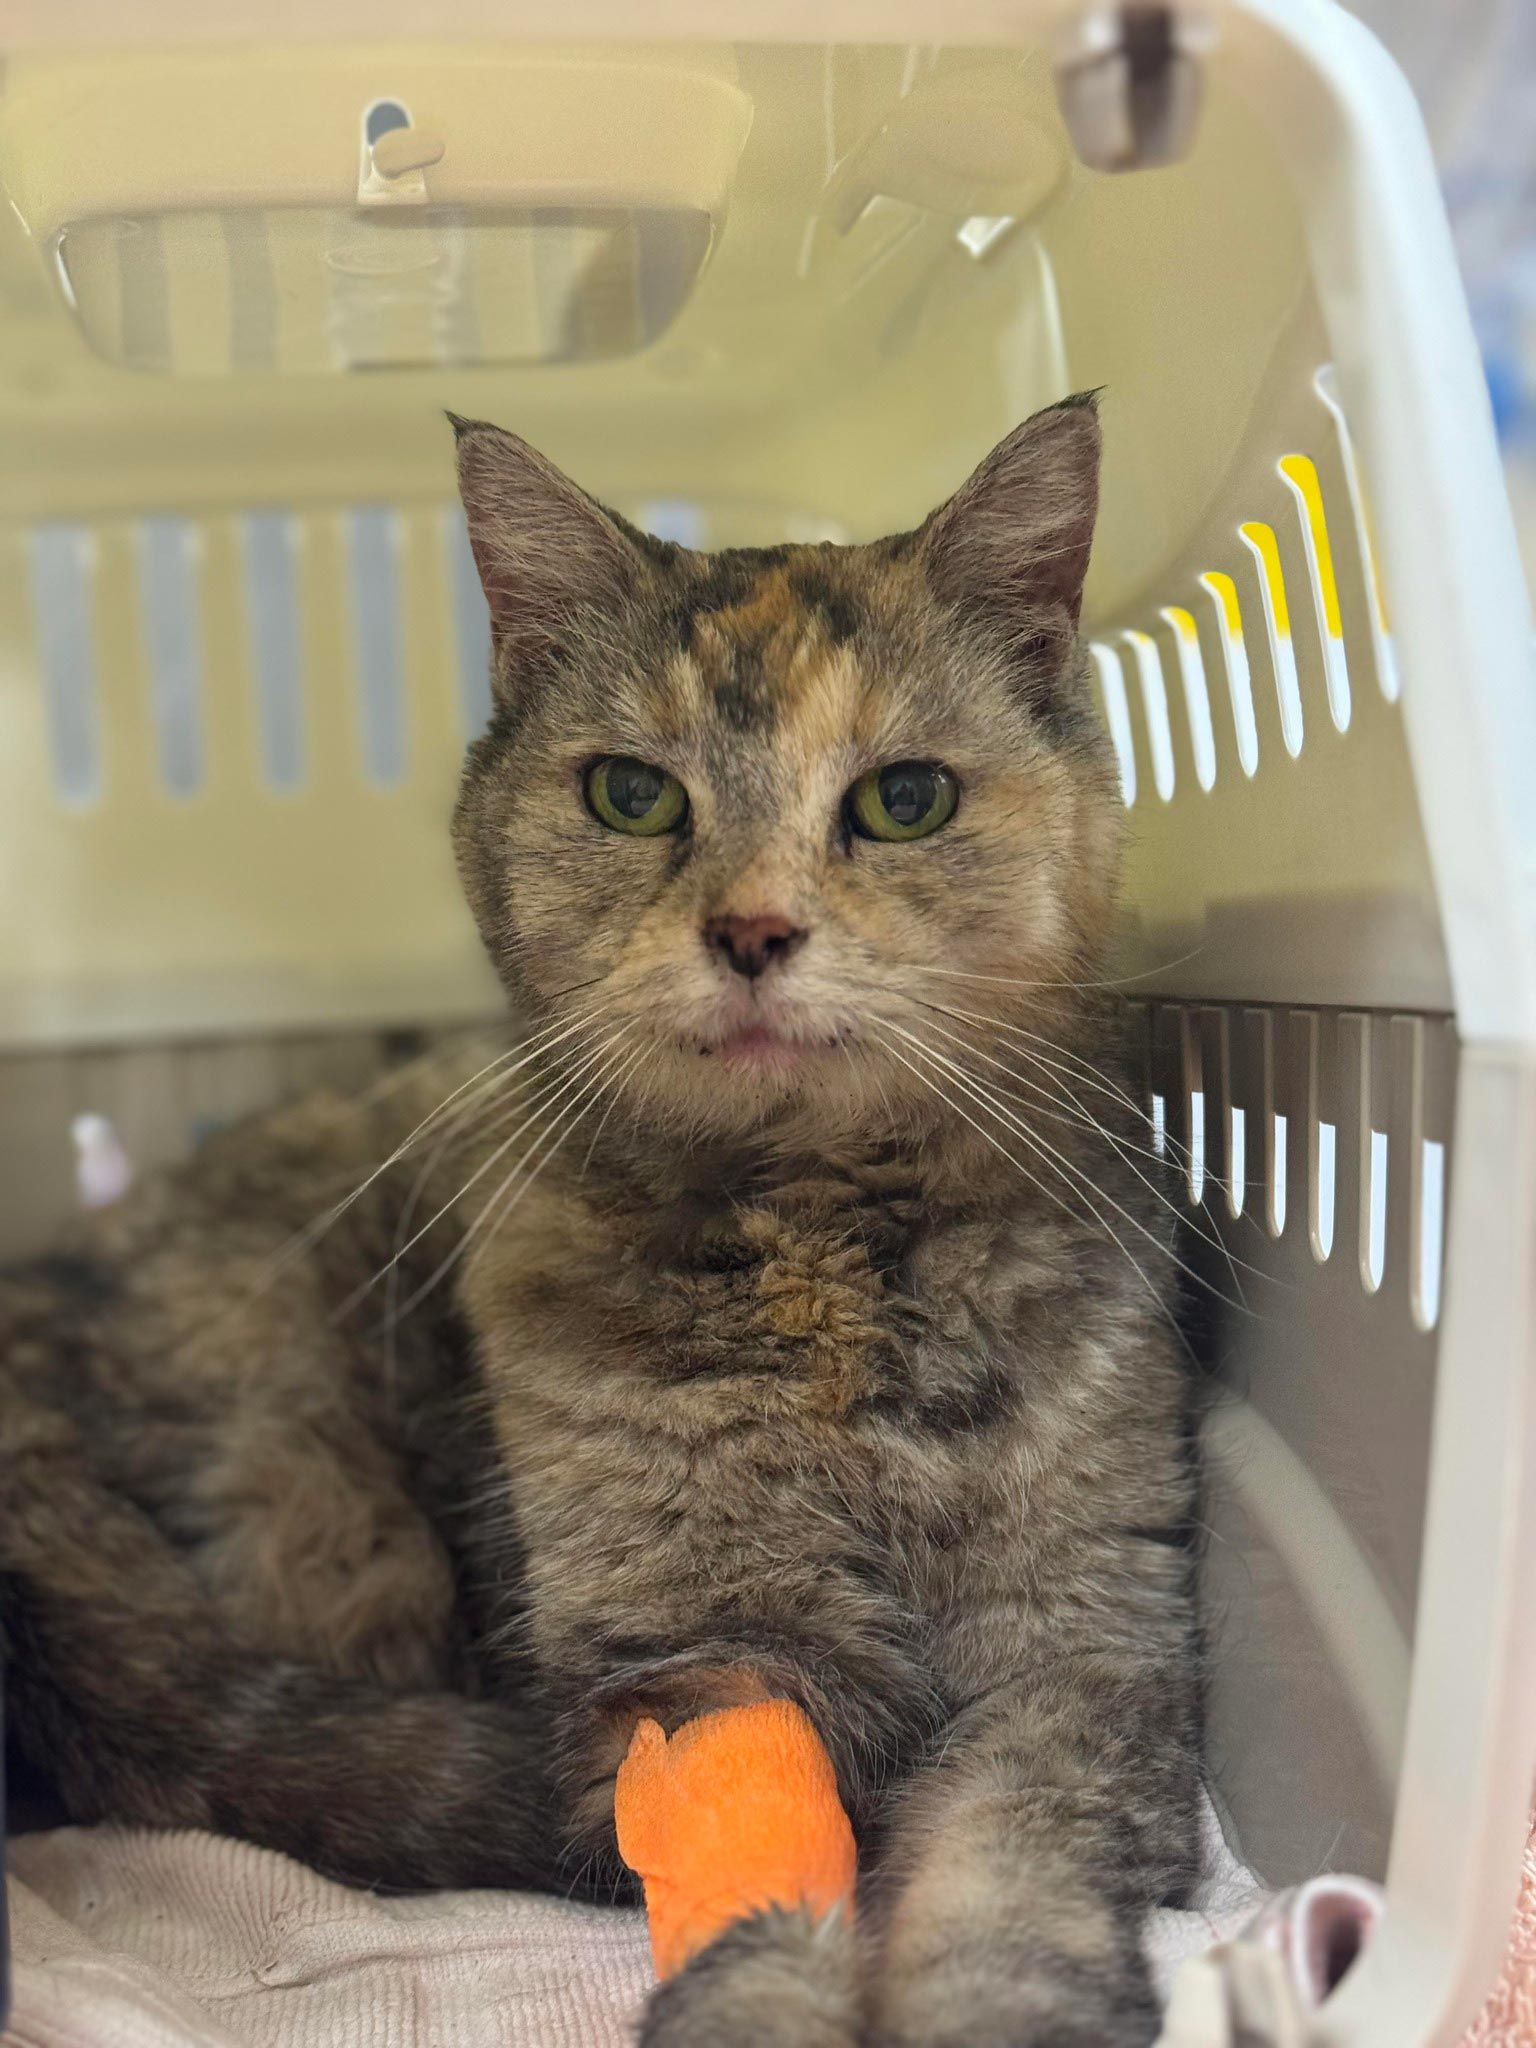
(395, 157)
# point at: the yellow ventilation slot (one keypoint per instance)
(1265, 549)
(1300, 474)
(1222, 591)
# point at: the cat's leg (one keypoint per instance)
(776, 1980)
(1021, 1863)
(125, 1683)
(301, 1530)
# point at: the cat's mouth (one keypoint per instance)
(764, 1049)
(759, 1048)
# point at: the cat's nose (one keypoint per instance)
(751, 945)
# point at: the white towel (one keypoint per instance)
(129, 1938)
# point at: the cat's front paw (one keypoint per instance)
(1065, 2007)
(778, 1980)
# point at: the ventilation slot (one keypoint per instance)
(1279, 1129)
(62, 562)
(1117, 715)
(1429, 1234)
(374, 537)
(1326, 387)
(1374, 1250)
(1197, 699)
(1314, 1125)
(169, 559)
(1222, 592)
(472, 628)
(1197, 1145)
(1154, 698)
(1260, 540)
(1300, 474)
(1324, 1165)
(271, 579)
(1237, 1160)
(1160, 1125)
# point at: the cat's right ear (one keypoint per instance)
(546, 552)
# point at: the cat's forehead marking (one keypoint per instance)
(757, 627)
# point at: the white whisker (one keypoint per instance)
(1059, 1160)
(459, 1124)
(590, 1093)
(1066, 1062)
(613, 1085)
(562, 1082)
(1117, 981)
(301, 1242)
(986, 1136)
(1037, 1183)
(1087, 1121)
(585, 1097)
(543, 1041)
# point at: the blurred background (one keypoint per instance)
(1473, 65)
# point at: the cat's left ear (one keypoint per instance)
(1013, 542)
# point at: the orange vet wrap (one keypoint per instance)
(737, 1812)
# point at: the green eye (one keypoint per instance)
(907, 800)
(632, 796)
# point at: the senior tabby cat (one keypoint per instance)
(784, 1309)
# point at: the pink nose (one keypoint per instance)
(751, 945)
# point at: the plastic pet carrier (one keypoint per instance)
(754, 273)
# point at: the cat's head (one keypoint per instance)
(755, 829)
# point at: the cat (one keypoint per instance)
(814, 1335)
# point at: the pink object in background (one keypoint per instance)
(1508, 2020)
(103, 1170)
(1317, 1930)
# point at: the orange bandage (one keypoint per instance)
(737, 1812)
